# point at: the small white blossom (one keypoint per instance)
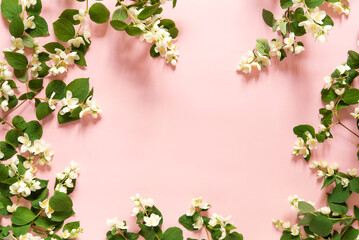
(152, 221)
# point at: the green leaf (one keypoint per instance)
(99, 13)
(118, 25)
(51, 46)
(153, 53)
(7, 150)
(263, 46)
(64, 30)
(321, 225)
(286, 3)
(28, 41)
(60, 202)
(350, 234)
(79, 87)
(61, 216)
(351, 96)
(11, 138)
(35, 84)
(187, 222)
(58, 87)
(33, 130)
(353, 59)
(4, 173)
(19, 123)
(35, 9)
(354, 185)
(268, 17)
(22, 216)
(305, 207)
(234, 236)
(71, 225)
(288, 236)
(173, 32)
(43, 110)
(133, 31)
(16, 27)
(18, 231)
(306, 219)
(41, 29)
(328, 181)
(69, 14)
(10, 9)
(302, 129)
(167, 23)
(120, 14)
(314, 3)
(341, 208)
(41, 197)
(147, 232)
(16, 60)
(328, 95)
(5, 201)
(340, 194)
(173, 233)
(44, 222)
(131, 236)
(356, 212)
(148, 11)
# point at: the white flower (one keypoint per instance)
(4, 105)
(343, 68)
(16, 43)
(80, 16)
(325, 210)
(69, 103)
(353, 172)
(289, 41)
(286, 225)
(87, 34)
(199, 223)
(298, 49)
(29, 22)
(76, 42)
(328, 82)
(224, 233)
(66, 234)
(11, 208)
(152, 221)
(355, 114)
(340, 91)
(25, 141)
(38, 147)
(276, 45)
(311, 142)
(27, 3)
(91, 107)
(339, 8)
(330, 106)
(317, 15)
(114, 223)
(1, 155)
(46, 206)
(345, 182)
(330, 172)
(7, 90)
(71, 58)
(320, 174)
(52, 102)
(61, 188)
(191, 211)
(264, 60)
(135, 211)
(149, 202)
(295, 230)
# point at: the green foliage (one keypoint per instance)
(10, 9)
(63, 29)
(16, 60)
(268, 17)
(22, 216)
(99, 13)
(16, 27)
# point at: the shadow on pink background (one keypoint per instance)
(199, 129)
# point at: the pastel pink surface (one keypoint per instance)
(200, 128)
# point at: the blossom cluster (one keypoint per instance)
(26, 182)
(60, 61)
(70, 103)
(6, 90)
(302, 146)
(165, 45)
(325, 170)
(292, 24)
(65, 180)
(38, 148)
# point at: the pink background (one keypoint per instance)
(201, 128)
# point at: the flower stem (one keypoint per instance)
(348, 129)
